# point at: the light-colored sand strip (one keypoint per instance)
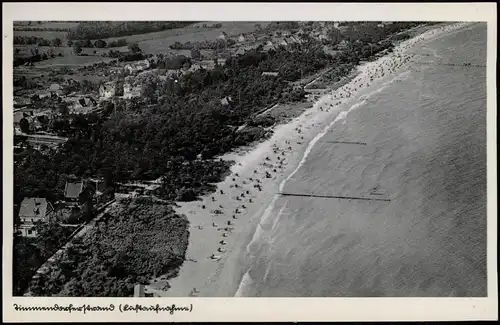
(223, 223)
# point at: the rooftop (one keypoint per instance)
(73, 190)
(34, 207)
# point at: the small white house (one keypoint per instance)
(130, 91)
(32, 211)
(241, 38)
(226, 100)
(223, 36)
(107, 90)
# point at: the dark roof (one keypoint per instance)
(73, 190)
(34, 207)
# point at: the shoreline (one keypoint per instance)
(227, 225)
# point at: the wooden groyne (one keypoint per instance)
(335, 197)
(465, 65)
(347, 142)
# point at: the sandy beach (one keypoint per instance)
(224, 223)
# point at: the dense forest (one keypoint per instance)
(107, 29)
(31, 253)
(125, 248)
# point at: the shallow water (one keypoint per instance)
(425, 135)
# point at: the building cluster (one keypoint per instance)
(35, 210)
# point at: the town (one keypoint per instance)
(109, 123)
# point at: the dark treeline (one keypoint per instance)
(107, 29)
(203, 45)
(40, 29)
(33, 40)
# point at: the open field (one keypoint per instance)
(55, 25)
(41, 33)
(68, 58)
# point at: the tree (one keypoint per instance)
(195, 54)
(134, 48)
(50, 53)
(24, 125)
(334, 36)
(70, 43)
(186, 195)
(87, 43)
(77, 48)
(56, 42)
(100, 44)
(63, 109)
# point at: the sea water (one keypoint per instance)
(425, 135)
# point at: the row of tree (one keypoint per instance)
(40, 29)
(101, 44)
(203, 45)
(34, 40)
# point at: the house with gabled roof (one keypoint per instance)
(107, 90)
(269, 46)
(32, 211)
(223, 36)
(72, 191)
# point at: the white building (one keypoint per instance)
(107, 90)
(130, 91)
(32, 211)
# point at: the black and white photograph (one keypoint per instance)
(249, 158)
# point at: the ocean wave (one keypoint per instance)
(259, 238)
